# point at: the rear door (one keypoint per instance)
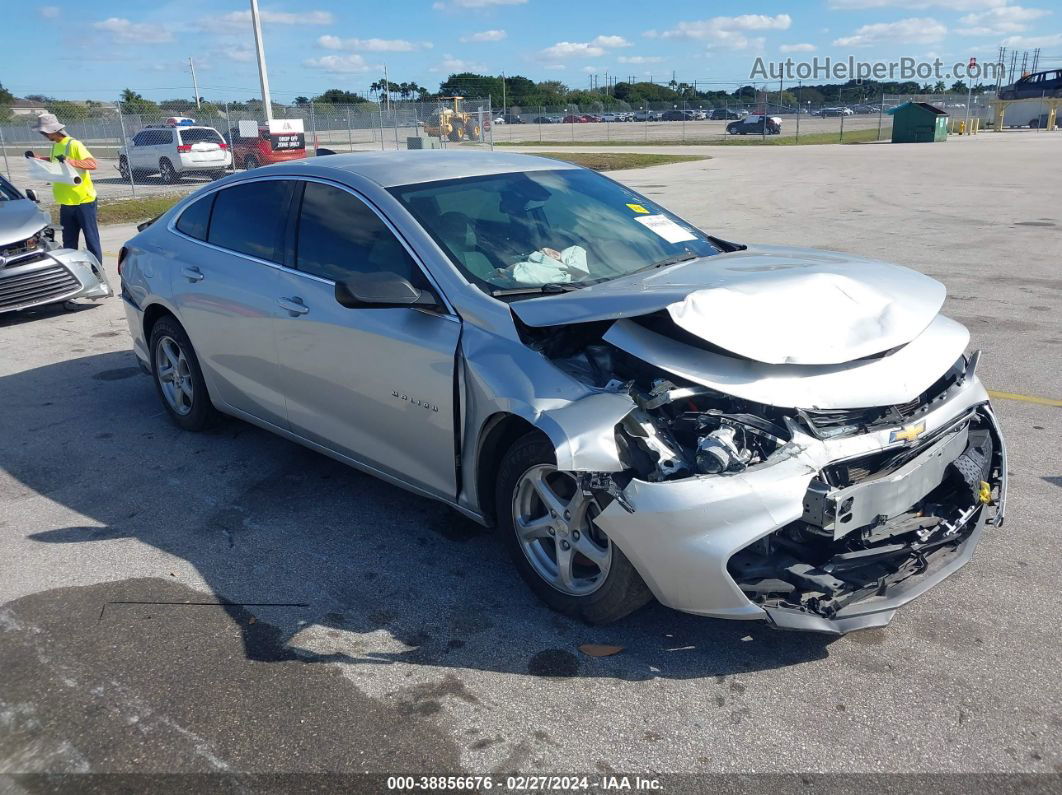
(225, 288)
(376, 385)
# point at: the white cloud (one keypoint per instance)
(999, 21)
(583, 49)
(914, 30)
(239, 52)
(591, 70)
(640, 59)
(1050, 40)
(440, 6)
(134, 32)
(485, 35)
(951, 5)
(48, 12)
(341, 64)
(451, 64)
(797, 48)
(555, 67)
(611, 41)
(726, 32)
(371, 45)
(241, 20)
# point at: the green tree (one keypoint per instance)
(337, 96)
(6, 100)
(132, 102)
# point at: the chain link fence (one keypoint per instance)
(166, 152)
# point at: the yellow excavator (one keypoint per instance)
(454, 124)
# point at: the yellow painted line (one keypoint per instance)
(1024, 398)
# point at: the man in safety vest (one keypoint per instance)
(77, 203)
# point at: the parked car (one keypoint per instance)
(676, 115)
(718, 114)
(513, 118)
(543, 120)
(174, 152)
(575, 118)
(646, 115)
(756, 124)
(620, 406)
(1038, 84)
(34, 269)
(834, 112)
(267, 148)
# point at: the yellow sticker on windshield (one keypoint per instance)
(638, 208)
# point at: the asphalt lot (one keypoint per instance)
(367, 629)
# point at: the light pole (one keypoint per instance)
(195, 84)
(263, 78)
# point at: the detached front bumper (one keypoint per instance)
(51, 277)
(683, 534)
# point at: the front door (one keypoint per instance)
(375, 384)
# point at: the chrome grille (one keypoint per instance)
(37, 286)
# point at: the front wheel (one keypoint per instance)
(548, 526)
(178, 377)
(123, 167)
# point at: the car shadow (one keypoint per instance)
(45, 311)
(313, 560)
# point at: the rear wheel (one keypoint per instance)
(250, 162)
(167, 172)
(178, 377)
(123, 167)
(473, 131)
(548, 526)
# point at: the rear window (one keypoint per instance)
(199, 135)
(195, 220)
(250, 218)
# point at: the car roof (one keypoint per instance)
(388, 169)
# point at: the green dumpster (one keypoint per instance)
(918, 123)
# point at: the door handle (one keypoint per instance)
(293, 306)
(192, 274)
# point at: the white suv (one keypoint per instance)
(174, 151)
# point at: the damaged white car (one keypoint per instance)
(644, 410)
(34, 269)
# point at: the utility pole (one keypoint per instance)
(263, 78)
(195, 85)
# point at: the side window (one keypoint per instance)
(250, 218)
(165, 137)
(338, 235)
(195, 220)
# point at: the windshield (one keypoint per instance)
(532, 229)
(8, 192)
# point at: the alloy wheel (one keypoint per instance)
(174, 375)
(554, 525)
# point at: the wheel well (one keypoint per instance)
(500, 432)
(151, 316)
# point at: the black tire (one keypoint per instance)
(202, 415)
(456, 134)
(167, 173)
(1034, 124)
(250, 162)
(473, 132)
(623, 590)
(123, 167)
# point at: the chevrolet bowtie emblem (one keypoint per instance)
(909, 433)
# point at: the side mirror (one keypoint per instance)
(31, 194)
(379, 290)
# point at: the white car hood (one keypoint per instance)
(770, 304)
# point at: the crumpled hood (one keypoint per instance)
(20, 219)
(772, 304)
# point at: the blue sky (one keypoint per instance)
(311, 45)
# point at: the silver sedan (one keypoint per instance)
(642, 409)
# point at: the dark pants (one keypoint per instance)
(78, 218)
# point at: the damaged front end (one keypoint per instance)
(823, 519)
(877, 530)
